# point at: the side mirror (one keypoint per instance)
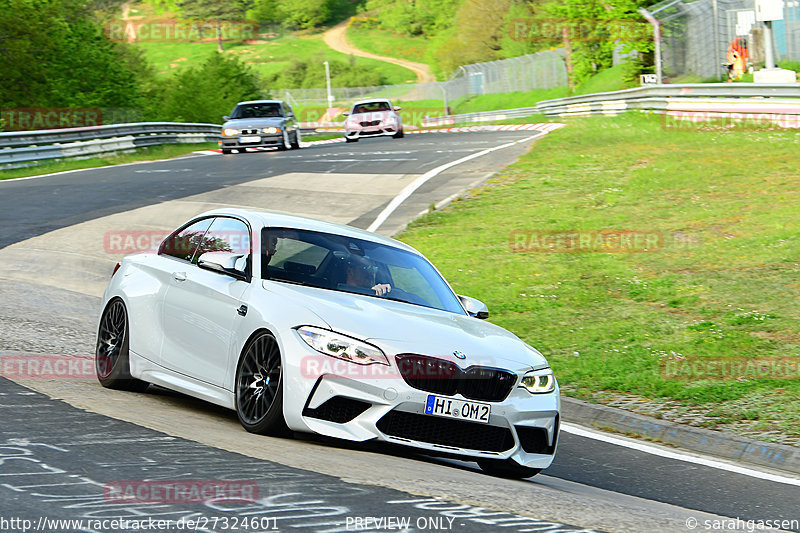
(397, 108)
(346, 113)
(474, 307)
(226, 117)
(226, 263)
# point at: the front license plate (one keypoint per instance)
(250, 139)
(461, 409)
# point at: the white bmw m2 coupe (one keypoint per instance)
(309, 326)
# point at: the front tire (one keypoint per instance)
(296, 139)
(399, 135)
(351, 139)
(226, 150)
(507, 468)
(112, 363)
(259, 386)
(285, 145)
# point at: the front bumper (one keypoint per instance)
(343, 400)
(264, 141)
(370, 131)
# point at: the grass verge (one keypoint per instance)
(722, 287)
(150, 153)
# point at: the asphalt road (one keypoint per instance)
(592, 484)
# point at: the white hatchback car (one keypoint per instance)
(310, 326)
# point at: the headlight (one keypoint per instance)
(539, 381)
(271, 130)
(342, 346)
(230, 132)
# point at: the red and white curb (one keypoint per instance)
(544, 127)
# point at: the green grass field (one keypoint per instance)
(269, 54)
(388, 43)
(267, 58)
(723, 286)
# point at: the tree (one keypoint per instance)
(215, 12)
(54, 54)
(207, 92)
(592, 29)
(305, 14)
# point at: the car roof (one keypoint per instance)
(260, 102)
(371, 100)
(284, 220)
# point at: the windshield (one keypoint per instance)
(347, 264)
(371, 107)
(262, 110)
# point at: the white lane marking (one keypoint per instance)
(11, 180)
(669, 454)
(362, 160)
(417, 183)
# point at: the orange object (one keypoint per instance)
(737, 58)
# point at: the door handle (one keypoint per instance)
(179, 276)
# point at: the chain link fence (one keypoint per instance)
(543, 70)
(696, 34)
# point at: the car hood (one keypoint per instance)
(257, 123)
(373, 115)
(408, 328)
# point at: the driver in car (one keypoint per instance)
(361, 273)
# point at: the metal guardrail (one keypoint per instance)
(745, 100)
(717, 97)
(481, 116)
(696, 101)
(29, 148)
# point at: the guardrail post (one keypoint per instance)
(656, 39)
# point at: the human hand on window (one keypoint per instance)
(382, 288)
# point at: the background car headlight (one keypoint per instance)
(230, 132)
(271, 130)
(341, 346)
(539, 381)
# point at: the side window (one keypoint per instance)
(226, 235)
(183, 243)
(287, 109)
